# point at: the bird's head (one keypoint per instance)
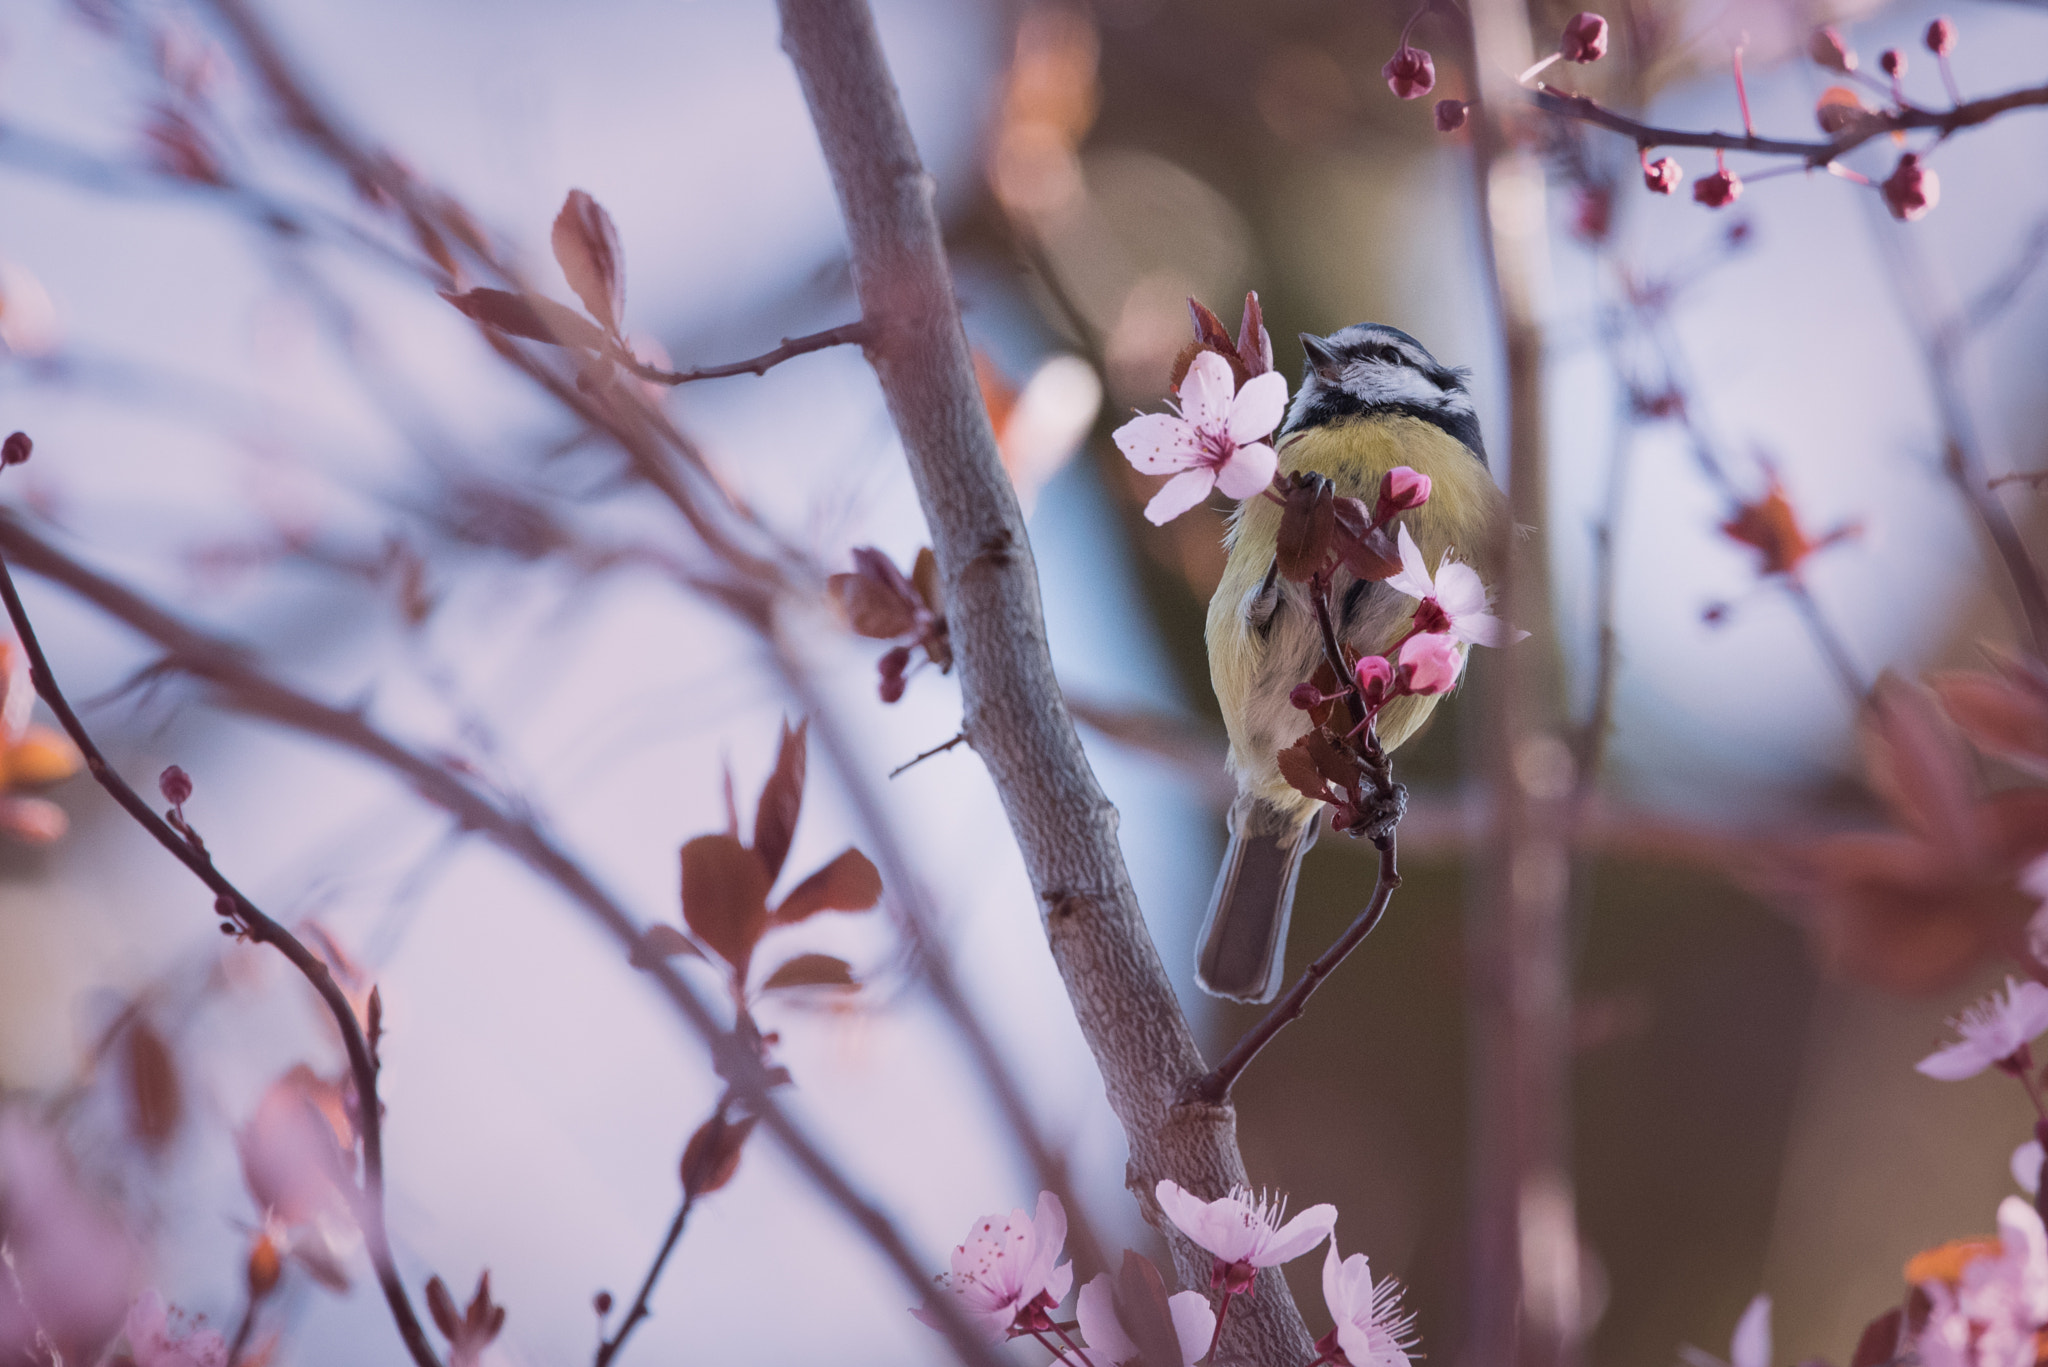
(1369, 368)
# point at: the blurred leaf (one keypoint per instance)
(849, 883)
(713, 1154)
(1308, 524)
(530, 316)
(2003, 717)
(924, 576)
(782, 800)
(587, 247)
(660, 943)
(877, 600)
(1298, 767)
(811, 970)
(725, 897)
(442, 1306)
(1917, 765)
(1880, 1341)
(1142, 1309)
(1368, 552)
(156, 1101)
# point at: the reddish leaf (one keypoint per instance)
(782, 800)
(2003, 717)
(924, 577)
(1368, 552)
(1299, 769)
(725, 897)
(1918, 766)
(1339, 768)
(848, 883)
(811, 970)
(2013, 826)
(156, 1101)
(530, 316)
(1308, 523)
(877, 600)
(442, 1306)
(713, 1154)
(660, 943)
(1880, 1340)
(1142, 1308)
(1896, 912)
(587, 247)
(1254, 347)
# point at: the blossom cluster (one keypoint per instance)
(1007, 1281)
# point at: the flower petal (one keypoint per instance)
(2026, 1166)
(1751, 1346)
(2026, 1007)
(1182, 492)
(1484, 629)
(1194, 1324)
(1206, 391)
(1297, 1236)
(1258, 407)
(1158, 442)
(1459, 589)
(1249, 469)
(1413, 578)
(1954, 1062)
(1101, 1330)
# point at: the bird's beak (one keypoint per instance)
(1320, 357)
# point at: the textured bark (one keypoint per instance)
(1064, 825)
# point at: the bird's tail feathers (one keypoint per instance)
(1244, 940)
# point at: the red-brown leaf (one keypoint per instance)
(442, 1306)
(1333, 764)
(725, 897)
(587, 247)
(713, 1154)
(1254, 347)
(1308, 524)
(782, 800)
(1879, 1342)
(156, 1101)
(811, 970)
(1367, 552)
(924, 577)
(529, 316)
(660, 943)
(1298, 767)
(2003, 717)
(1917, 765)
(849, 883)
(1142, 1307)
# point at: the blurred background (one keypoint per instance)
(250, 406)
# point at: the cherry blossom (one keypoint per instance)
(1215, 441)
(1371, 1328)
(1995, 1033)
(1453, 600)
(1750, 1346)
(152, 1345)
(1244, 1232)
(1990, 1316)
(1109, 1345)
(1003, 1274)
(1430, 663)
(2026, 1166)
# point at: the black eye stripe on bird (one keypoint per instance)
(1371, 398)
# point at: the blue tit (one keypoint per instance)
(1371, 398)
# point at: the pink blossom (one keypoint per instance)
(1003, 1274)
(1912, 189)
(1585, 38)
(1455, 594)
(1430, 663)
(2033, 880)
(1371, 1328)
(1991, 1318)
(1410, 72)
(73, 1266)
(1243, 1231)
(1375, 677)
(1719, 190)
(1994, 1033)
(1750, 1345)
(2026, 1166)
(1216, 440)
(1109, 1345)
(1941, 36)
(1663, 175)
(151, 1342)
(1450, 115)
(1400, 489)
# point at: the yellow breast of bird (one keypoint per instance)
(1257, 657)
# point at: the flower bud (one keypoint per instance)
(1585, 38)
(1663, 175)
(15, 449)
(1892, 62)
(1912, 189)
(1375, 679)
(1941, 36)
(1430, 663)
(1828, 49)
(1450, 115)
(1304, 696)
(1410, 73)
(1719, 190)
(602, 1303)
(176, 786)
(891, 667)
(265, 1266)
(1400, 489)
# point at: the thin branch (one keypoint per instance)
(921, 756)
(245, 688)
(1813, 152)
(607, 1349)
(846, 334)
(1214, 1089)
(1831, 645)
(262, 930)
(1066, 829)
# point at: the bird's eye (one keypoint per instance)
(1387, 355)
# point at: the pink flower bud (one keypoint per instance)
(1828, 49)
(1719, 190)
(1410, 73)
(1430, 663)
(1912, 189)
(1585, 38)
(1663, 175)
(176, 786)
(891, 667)
(1375, 679)
(1941, 36)
(1400, 489)
(1450, 115)
(1593, 212)
(1892, 62)
(1304, 696)
(15, 449)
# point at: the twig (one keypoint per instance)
(262, 930)
(846, 334)
(2033, 477)
(1066, 829)
(247, 689)
(607, 1349)
(924, 755)
(1214, 1089)
(242, 1332)
(1814, 153)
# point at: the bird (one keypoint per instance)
(1372, 398)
